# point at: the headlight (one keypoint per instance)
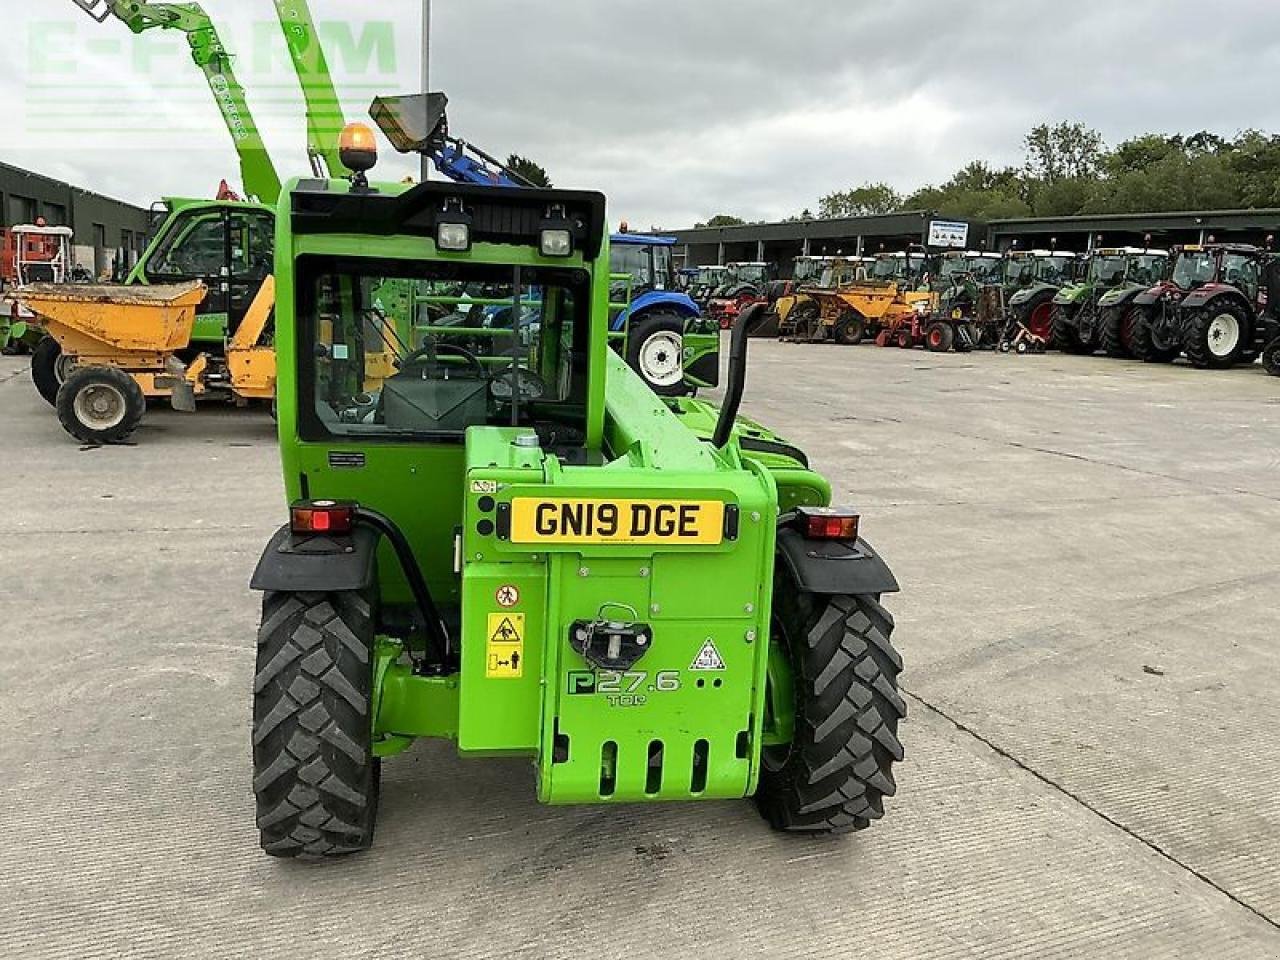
(454, 237)
(557, 243)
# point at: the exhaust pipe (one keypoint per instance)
(737, 384)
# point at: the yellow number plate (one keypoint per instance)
(693, 522)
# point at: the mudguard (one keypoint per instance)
(317, 564)
(830, 567)
(1201, 296)
(1146, 298)
(665, 300)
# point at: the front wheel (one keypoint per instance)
(851, 330)
(314, 774)
(1117, 331)
(939, 337)
(1271, 357)
(1147, 342)
(100, 405)
(1065, 335)
(1215, 336)
(655, 350)
(835, 773)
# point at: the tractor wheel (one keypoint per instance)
(1215, 337)
(1271, 358)
(1039, 319)
(1117, 332)
(655, 350)
(100, 405)
(49, 368)
(939, 338)
(1064, 335)
(314, 774)
(834, 775)
(904, 339)
(1144, 343)
(850, 330)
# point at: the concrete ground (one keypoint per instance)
(1090, 558)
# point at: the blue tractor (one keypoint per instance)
(659, 330)
(666, 338)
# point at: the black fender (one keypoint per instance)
(317, 564)
(1214, 295)
(830, 567)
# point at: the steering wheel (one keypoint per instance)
(418, 357)
(505, 383)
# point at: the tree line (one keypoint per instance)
(1068, 169)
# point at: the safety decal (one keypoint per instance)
(505, 649)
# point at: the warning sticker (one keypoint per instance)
(708, 658)
(505, 649)
(507, 596)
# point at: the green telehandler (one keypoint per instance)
(508, 543)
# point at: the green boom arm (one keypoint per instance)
(325, 119)
(258, 173)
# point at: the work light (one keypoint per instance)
(557, 243)
(453, 228)
(556, 236)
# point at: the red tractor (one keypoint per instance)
(1212, 307)
(744, 284)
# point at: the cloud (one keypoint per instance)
(676, 111)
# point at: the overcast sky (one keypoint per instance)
(676, 110)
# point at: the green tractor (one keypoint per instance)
(513, 544)
(1086, 317)
(1032, 278)
(1119, 312)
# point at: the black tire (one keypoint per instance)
(649, 342)
(1271, 357)
(314, 774)
(835, 774)
(851, 329)
(1113, 335)
(1144, 345)
(100, 405)
(1065, 336)
(1201, 340)
(939, 337)
(48, 369)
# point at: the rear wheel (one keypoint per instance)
(314, 774)
(100, 405)
(837, 770)
(1065, 336)
(1039, 319)
(939, 337)
(850, 330)
(49, 368)
(1215, 336)
(655, 350)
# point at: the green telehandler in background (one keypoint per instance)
(509, 543)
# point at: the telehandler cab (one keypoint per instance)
(508, 543)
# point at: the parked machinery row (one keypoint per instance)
(1207, 302)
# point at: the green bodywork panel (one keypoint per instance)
(1073, 294)
(660, 730)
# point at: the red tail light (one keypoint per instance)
(322, 516)
(827, 523)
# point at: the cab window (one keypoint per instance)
(408, 350)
